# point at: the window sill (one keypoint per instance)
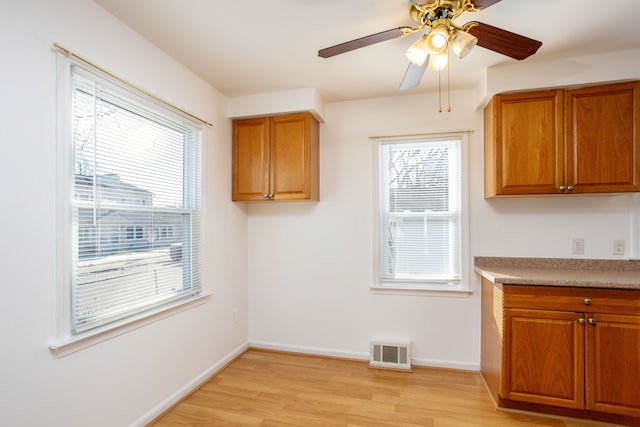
(421, 291)
(70, 344)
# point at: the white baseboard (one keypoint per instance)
(446, 364)
(432, 363)
(316, 351)
(188, 387)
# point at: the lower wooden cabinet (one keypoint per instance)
(544, 352)
(570, 351)
(613, 364)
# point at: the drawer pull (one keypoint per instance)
(592, 321)
(587, 301)
(581, 320)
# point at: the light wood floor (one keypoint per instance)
(264, 388)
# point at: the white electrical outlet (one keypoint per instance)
(618, 247)
(577, 246)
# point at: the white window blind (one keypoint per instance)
(420, 212)
(136, 220)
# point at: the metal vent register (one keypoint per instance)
(390, 355)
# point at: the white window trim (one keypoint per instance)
(427, 289)
(68, 344)
(64, 342)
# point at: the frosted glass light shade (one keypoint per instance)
(417, 52)
(437, 39)
(438, 62)
(462, 43)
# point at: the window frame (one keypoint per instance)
(379, 284)
(65, 341)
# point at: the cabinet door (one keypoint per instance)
(613, 364)
(250, 159)
(601, 143)
(293, 162)
(544, 358)
(526, 150)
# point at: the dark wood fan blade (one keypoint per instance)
(484, 3)
(504, 42)
(361, 42)
(413, 75)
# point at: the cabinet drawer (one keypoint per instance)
(614, 301)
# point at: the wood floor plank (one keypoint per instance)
(269, 389)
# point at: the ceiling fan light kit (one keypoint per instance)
(438, 62)
(417, 52)
(462, 42)
(437, 39)
(436, 17)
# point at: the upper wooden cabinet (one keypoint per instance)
(602, 149)
(523, 144)
(563, 141)
(276, 158)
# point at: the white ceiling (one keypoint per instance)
(260, 46)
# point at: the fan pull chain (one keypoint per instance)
(448, 85)
(439, 92)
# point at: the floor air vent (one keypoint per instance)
(390, 355)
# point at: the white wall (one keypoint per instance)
(127, 379)
(310, 265)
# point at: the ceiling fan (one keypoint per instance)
(432, 49)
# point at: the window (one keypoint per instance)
(134, 232)
(131, 226)
(420, 225)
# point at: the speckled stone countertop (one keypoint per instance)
(597, 273)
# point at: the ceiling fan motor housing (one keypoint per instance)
(425, 15)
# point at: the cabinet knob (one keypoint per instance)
(587, 301)
(592, 321)
(562, 188)
(266, 196)
(570, 188)
(271, 195)
(582, 321)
